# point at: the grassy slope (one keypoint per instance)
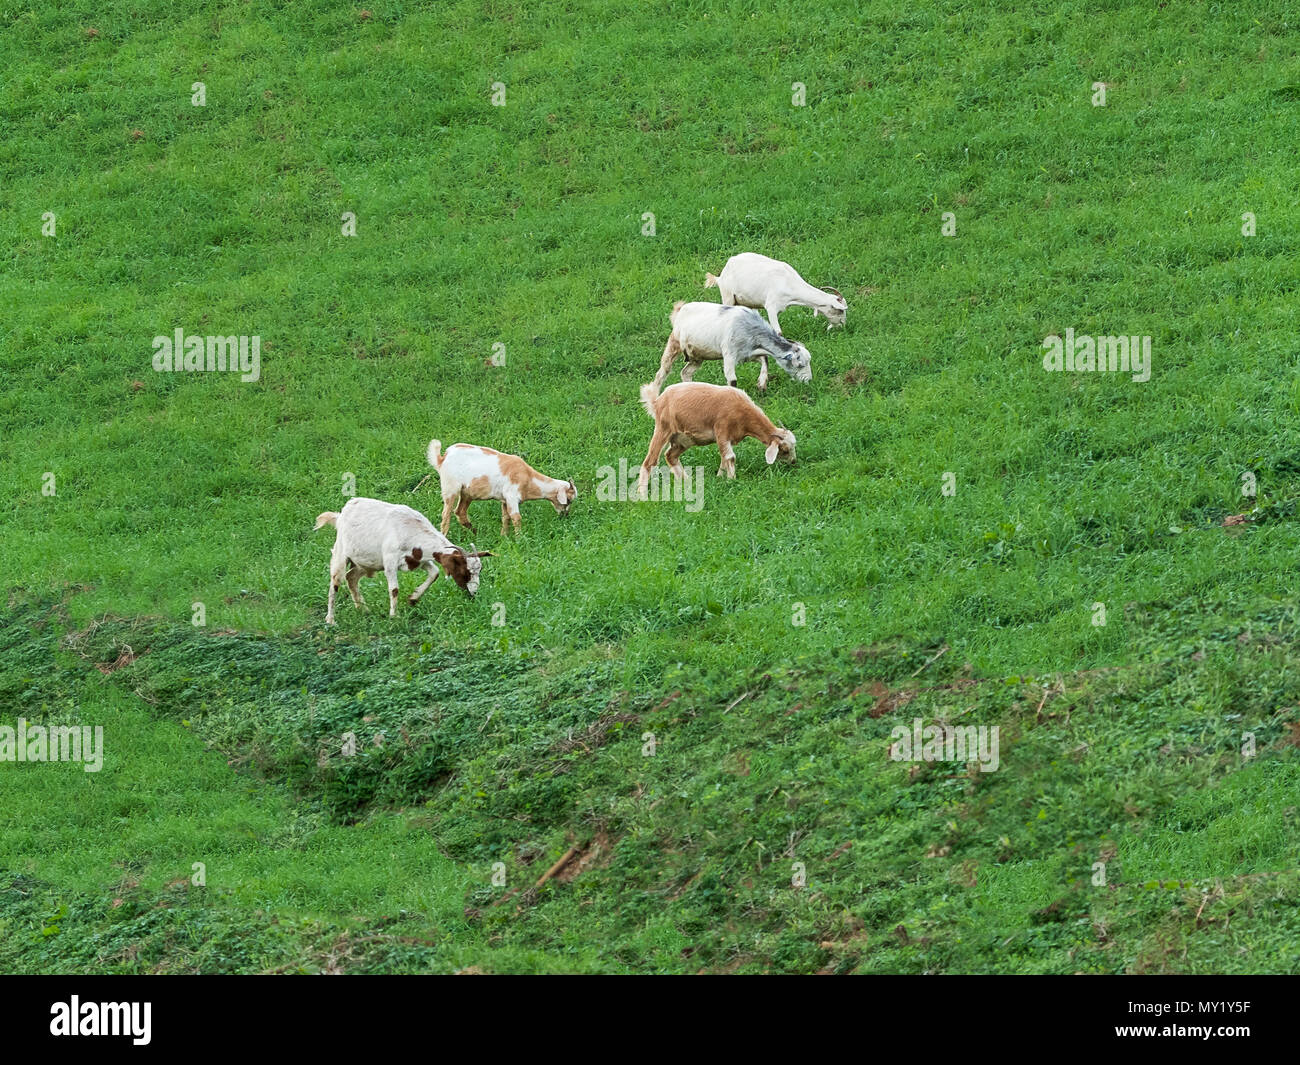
(521, 225)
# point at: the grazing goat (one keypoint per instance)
(732, 334)
(373, 535)
(695, 413)
(468, 472)
(752, 280)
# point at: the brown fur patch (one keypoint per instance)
(521, 474)
(456, 565)
(413, 559)
(515, 468)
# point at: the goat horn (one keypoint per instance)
(836, 291)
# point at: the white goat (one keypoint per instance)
(373, 535)
(753, 280)
(468, 472)
(732, 334)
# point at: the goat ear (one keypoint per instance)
(771, 451)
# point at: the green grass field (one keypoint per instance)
(694, 707)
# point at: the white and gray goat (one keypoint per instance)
(705, 331)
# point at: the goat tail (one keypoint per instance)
(435, 454)
(710, 281)
(649, 394)
(329, 517)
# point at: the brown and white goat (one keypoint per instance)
(468, 472)
(373, 535)
(694, 413)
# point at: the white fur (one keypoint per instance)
(753, 280)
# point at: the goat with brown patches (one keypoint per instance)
(373, 535)
(694, 413)
(468, 472)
